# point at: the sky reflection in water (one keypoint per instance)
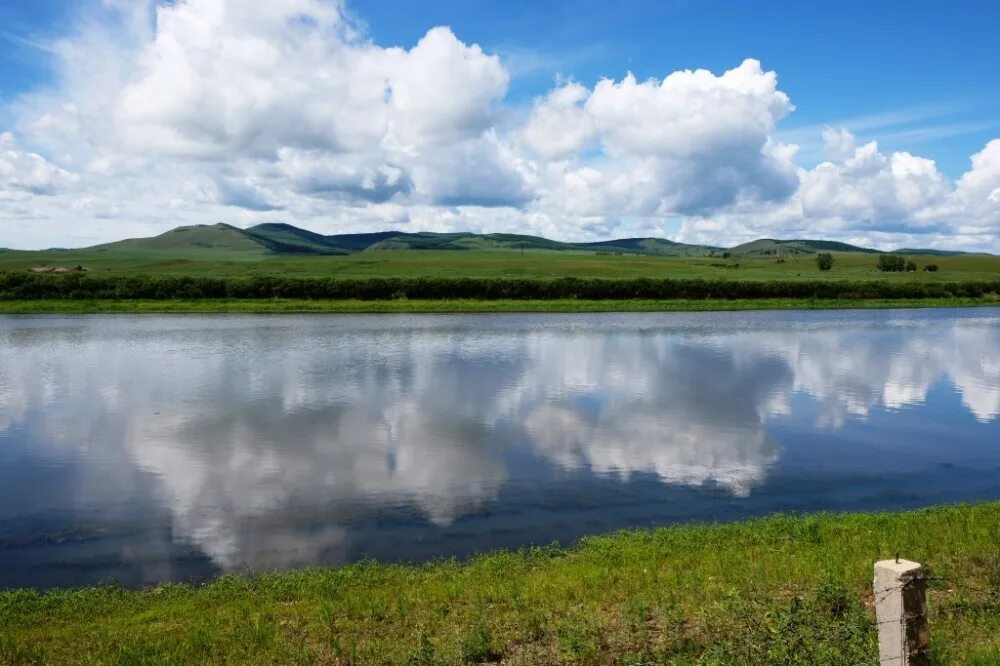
(149, 448)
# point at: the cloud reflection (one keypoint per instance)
(268, 440)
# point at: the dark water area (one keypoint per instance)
(152, 448)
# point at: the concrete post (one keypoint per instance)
(901, 613)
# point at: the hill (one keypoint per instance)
(772, 247)
(928, 252)
(655, 246)
(280, 238)
(183, 239)
(286, 239)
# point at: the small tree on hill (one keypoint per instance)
(911, 266)
(824, 260)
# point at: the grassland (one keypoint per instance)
(780, 590)
(492, 263)
(239, 263)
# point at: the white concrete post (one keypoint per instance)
(901, 613)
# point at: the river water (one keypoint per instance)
(151, 448)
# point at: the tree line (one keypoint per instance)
(28, 286)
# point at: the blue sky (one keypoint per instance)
(918, 77)
(928, 70)
(921, 76)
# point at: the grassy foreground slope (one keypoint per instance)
(779, 590)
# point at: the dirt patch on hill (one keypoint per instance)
(58, 269)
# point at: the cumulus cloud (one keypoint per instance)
(213, 109)
(691, 143)
(865, 196)
(26, 172)
(978, 190)
(221, 79)
(273, 109)
(869, 189)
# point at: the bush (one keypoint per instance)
(25, 286)
(824, 261)
(931, 268)
(891, 263)
(911, 266)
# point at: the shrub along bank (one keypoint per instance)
(80, 286)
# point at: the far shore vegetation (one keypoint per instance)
(278, 268)
(265, 267)
(502, 263)
(777, 590)
(443, 306)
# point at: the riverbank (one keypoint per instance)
(292, 305)
(779, 590)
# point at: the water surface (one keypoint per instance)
(150, 448)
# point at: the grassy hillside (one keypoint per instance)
(280, 238)
(286, 239)
(768, 247)
(489, 263)
(926, 252)
(216, 237)
(780, 590)
(222, 251)
(468, 241)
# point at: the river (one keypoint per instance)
(150, 448)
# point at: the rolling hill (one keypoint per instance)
(286, 239)
(770, 247)
(201, 236)
(279, 238)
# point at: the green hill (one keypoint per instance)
(928, 252)
(470, 241)
(655, 246)
(217, 237)
(280, 238)
(787, 248)
(360, 242)
(286, 239)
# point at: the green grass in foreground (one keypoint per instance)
(269, 306)
(780, 590)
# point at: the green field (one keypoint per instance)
(780, 590)
(438, 272)
(490, 263)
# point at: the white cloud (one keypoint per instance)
(26, 173)
(866, 187)
(559, 127)
(691, 143)
(978, 190)
(864, 196)
(167, 113)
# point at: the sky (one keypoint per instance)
(702, 121)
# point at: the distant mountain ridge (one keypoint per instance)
(281, 238)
